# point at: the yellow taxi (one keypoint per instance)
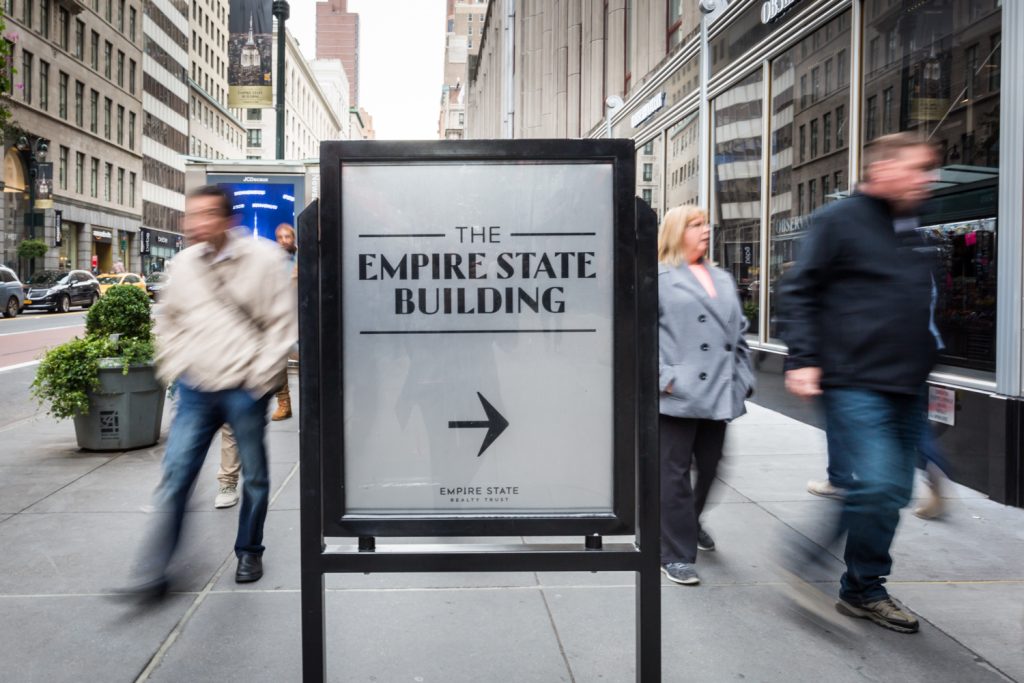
(108, 280)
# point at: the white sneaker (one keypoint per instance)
(825, 489)
(226, 497)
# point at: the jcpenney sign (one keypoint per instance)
(771, 10)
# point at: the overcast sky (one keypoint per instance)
(401, 60)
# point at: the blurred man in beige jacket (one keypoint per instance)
(223, 335)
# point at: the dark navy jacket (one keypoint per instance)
(857, 303)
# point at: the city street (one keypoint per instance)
(23, 340)
(71, 523)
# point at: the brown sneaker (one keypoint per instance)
(886, 613)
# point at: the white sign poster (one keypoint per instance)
(477, 314)
(942, 405)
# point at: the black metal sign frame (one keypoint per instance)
(635, 476)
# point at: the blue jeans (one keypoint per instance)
(199, 415)
(877, 435)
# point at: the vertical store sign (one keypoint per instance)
(58, 227)
(478, 339)
(250, 25)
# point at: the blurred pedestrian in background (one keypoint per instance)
(226, 347)
(705, 376)
(230, 464)
(856, 318)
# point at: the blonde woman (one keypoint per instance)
(704, 377)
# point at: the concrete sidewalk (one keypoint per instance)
(70, 524)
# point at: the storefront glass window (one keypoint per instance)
(799, 184)
(648, 184)
(940, 79)
(682, 173)
(736, 146)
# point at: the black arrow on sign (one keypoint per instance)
(495, 424)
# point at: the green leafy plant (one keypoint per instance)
(118, 331)
(6, 72)
(32, 249)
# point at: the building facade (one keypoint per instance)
(769, 119)
(165, 128)
(462, 45)
(311, 115)
(337, 37)
(215, 132)
(76, 103)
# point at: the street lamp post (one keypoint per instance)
(281, 13)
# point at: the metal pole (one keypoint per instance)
(703, 110)
(281, 13)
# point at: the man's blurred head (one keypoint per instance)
(285, 236)
(208, 214)
(899, 168)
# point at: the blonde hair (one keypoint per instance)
(670, 232)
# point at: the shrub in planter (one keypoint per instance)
(106, 380)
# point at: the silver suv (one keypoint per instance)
(11, 293)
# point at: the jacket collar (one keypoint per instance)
(681, 276)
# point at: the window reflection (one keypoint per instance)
(682, 174)
(737, 183)
(933, 68)
(815, 173)
(649, 163)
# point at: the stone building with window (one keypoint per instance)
(76, 114)
(768, 119)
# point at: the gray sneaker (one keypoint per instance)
(681, 572)
(704, 541)
(826, 489)
(886, 613)
(226, 497)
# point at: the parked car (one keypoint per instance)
(108, 280)
(154, 283)
(11, 293)
(59, 290)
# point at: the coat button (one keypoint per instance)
(728, 347)
(704, 347)
(703, 375)
(702, 318)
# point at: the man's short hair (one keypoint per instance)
(285, 226)
(891, 146)
(214, 191)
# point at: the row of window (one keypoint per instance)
(836, 78)
(122, 198)
(200, 149)
(113, 127)
(829, 184)
(825, 134)
(123, 17)
(212, 119)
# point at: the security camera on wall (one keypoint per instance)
(614, 102)
(708, 6)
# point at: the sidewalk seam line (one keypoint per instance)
(157, 659)
(558, 637)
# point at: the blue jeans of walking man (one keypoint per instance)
(878, 434)
(199, 415)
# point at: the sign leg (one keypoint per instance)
(314, 660)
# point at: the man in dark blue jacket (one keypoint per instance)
(856, 314)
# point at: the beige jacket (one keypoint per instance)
(210, 343)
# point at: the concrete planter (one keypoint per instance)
(125, 411)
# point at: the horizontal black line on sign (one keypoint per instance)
(407, 234)
(472, 331)
(552, 234)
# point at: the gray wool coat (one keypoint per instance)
(701, 349)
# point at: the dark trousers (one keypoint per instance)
(683, 442)
(878, 434)
(199, 415)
